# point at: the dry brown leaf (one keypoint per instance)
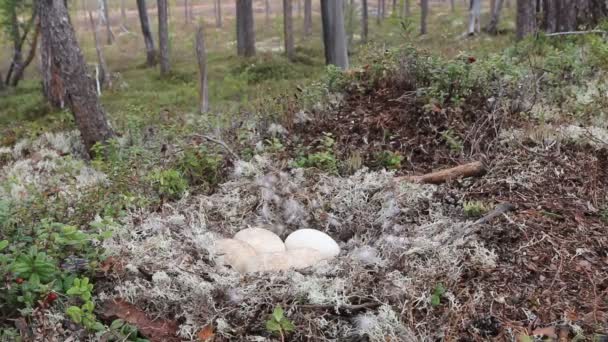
(545, 332)
(206, 334)
(155, 330)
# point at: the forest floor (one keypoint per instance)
(310, 147)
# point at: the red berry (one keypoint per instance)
(51, 297)
(472, 59)
(19, 280)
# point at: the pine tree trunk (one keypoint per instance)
(163, 37)
(145, 29)
(364, 21)
(245, 32)
(424, 12)
(288, 30)
(218, 13)
(201, 55)
(492, 27)
(307, 18)
(334, 34)
(66, 58)
(526, 18)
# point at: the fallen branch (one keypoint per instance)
(341, 309)
(499, 210)
(221, 143)
(473, 169)
(572, 33)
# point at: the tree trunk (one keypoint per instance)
(17, 66)
(103, 78)
(290, 51)
(394, 9)
(526, 18)
(424, 12)
(218, 13)
(474, 17)
(379, 13)
(299, 5)
(186, 12)
(20, 69)
(163, 37)
(52, 84)
(334, 35)
(567, 15)
(407, 11)
(123, 13)
(106, 16)
(245, 32)
(201, 55)
(453, 6)
(145, 29)
(492, 6)
(65, 56)
(267, 10)
(364, 21)
(307, 18)
(492, 27)
(15, 33)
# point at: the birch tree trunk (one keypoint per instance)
(145, 29)
(474, 17)
(66, 57)
(163, 37)
(424, 13)
(288, 30)
(334, 34)
(526, 18)
(364, 21)
(201, 55)
(245, 32)
(106, 18)
(103, 78)
(307, 18)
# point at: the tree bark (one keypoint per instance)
(15, 33)
(218, 13)
(245, 32)
(424, 13)
(186, 12)
(453, 6)
(17, 66)
(334, 34)
(307, 18)
(163, 37)
(407, 11)
(364, 21)
(66, 57)
(492, 27)
(145, 29)
(290, 51)
(526, 18)
(201, 55)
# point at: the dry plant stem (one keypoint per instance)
(473, 169)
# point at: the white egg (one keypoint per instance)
(262, 240)
(314, 239)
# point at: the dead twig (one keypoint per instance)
(573, 33)
(221, 143)
(461, 171)
(341, 309)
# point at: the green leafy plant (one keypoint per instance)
(169, 184)
(437, 294)
(274, 145)
(390, 160)
(37, 267)
(200, 167)
(453, 141)
(83, 314)
(277, 323)
(120, 330)
(324, 159)
(474, 209)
